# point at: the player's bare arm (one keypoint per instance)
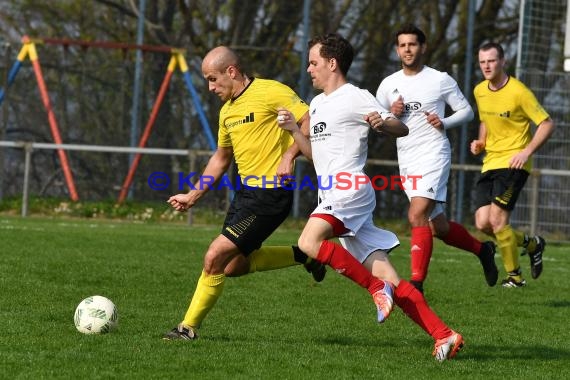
(390, 126)
(286, 120)
(217, 166)
(285, 167)
(543, 132)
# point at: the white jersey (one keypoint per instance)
(339, 133)
(339, 144)
(427, 91)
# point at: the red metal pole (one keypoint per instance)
(146, 134)
(53, 123)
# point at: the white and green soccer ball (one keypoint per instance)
(96, 315)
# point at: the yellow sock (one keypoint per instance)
(531, 247)
(525, 241)
(507, 242)
(520, 238)
(269, 258)
(208, 290)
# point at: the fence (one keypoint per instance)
(539, 64)
(536, 215)
(552, 191)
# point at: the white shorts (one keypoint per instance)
(368, 239)
(432, 181)
(431, 185)
(354, 209)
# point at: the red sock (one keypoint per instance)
(460, 238)
(422, 247)
(344, 263)
(414, 305)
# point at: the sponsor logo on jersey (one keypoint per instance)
(505, 114)
(247, 119)
(412, 106)
(319, 128)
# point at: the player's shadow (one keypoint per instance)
(558, 303)
(513, 351)
(355, 341)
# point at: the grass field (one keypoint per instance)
(267, 325)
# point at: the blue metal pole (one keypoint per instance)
(467, 92)
(11, 76)
(303, 90)
(303, 82)
(137, 86)
(199, 110)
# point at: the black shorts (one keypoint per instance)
(501, 187)
(254, 214)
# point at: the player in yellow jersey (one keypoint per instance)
(248, 133)
(506, 109)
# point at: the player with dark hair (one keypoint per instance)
(340, 120)
(418, 95)
(506, 108)
(249, 133)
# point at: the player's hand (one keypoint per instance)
(285, 168)
(397, 107)
(518, 160)
(375, 121)
(180, 202)
(477, 146)
(286, 120)
(434, 120)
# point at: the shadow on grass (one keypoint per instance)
(561, 303)
(332, 340)
(514, 352)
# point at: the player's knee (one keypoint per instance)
(308, 245)
(214, 261)
(238, 266)
(480, 225)
(483, 226)
(418, 219)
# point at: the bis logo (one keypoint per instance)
(413, 106)
(319, 128)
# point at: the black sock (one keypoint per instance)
(299, 255)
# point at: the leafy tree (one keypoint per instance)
(92, 88)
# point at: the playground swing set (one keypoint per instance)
(177, 59)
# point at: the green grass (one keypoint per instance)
(268, 325)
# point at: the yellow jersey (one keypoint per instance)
(248, 123)
(507, 114)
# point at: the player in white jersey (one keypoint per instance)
(418, 95)
(340, 120)
(339, 144)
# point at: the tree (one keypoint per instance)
(92, 90)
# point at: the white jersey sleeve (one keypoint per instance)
(452, 95)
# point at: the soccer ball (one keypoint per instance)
(96, 315)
